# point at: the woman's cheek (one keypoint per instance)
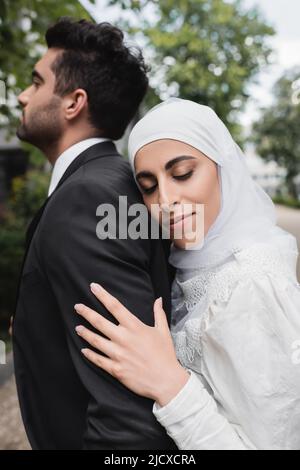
(147, 202)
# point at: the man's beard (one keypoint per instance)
(42, 128)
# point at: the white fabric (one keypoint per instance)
(241, 351)
(67, 157)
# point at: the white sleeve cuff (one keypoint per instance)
(187, 402)
(192, 420)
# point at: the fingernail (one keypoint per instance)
(79, 329)
(95, 287)
(77, 307)
(160, 302)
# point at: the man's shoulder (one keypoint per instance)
(95, 183)
(111, 174)
(108, 170)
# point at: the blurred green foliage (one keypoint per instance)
(288, 202)
(205, 51)
(28, 194)
(276, 134)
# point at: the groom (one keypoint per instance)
(85, 90)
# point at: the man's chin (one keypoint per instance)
(22, 134)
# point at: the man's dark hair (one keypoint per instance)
(96, 59)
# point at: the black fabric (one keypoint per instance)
(66, 402)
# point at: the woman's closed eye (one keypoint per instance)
(148, 190)
(185, 176)
(179, 177)
(148, 185)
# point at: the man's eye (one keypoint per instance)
(183, 177)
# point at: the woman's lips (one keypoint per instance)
(179, 220)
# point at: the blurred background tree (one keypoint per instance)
(276, 134)
(27, 195)
(205, 51)
(23, 24)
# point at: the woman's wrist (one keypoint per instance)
(173, 382)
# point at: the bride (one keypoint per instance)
(227, 375)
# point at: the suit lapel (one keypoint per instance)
(33, 224)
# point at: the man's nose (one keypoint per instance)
(23, 98)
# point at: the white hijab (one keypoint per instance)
(247, 213)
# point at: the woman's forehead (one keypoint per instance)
(160, 151)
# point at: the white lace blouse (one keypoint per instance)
(243, 355)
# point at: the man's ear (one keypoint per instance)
(74, 103)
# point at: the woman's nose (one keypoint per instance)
(166, 199)
(165, 207)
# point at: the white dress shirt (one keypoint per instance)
(243, 355)
(67, 157)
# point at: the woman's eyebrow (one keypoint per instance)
(172, 162)
(168, 165)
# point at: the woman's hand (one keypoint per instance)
(141, 357)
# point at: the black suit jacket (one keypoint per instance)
(66, 402)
